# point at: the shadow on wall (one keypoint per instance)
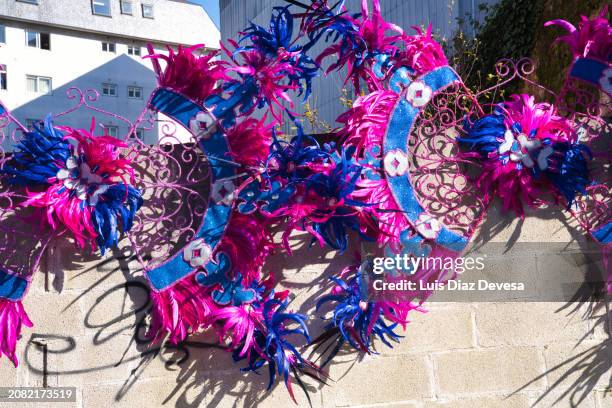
(120, 72)
(204, 370)
(199, 370)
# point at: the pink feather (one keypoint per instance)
(247, 242)
(250, 141)
(195, 76)
(592, 38)
(421, 52)
(513, 182)
(180, 310)
(64, 209)
(365, 124)
(12, 317)
(238, 323)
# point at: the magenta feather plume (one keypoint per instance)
(391, 221)
(365, 124)
(180, 310)
(250, 141)
(64, 210)
(592, 38)
(96, 159)
(238, 323)
(270, 73)
(538, 120)
(359, 46)
(510, 170)
(12, 318)
(421, 52)
(247, 242)
(195, 76)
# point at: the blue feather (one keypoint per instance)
(117, 206)
(355, 323)
(338, 185)
(272, 340)
(278, 39)
(569, 171)
(37, 155)
(485, 135)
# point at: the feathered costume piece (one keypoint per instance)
(526, 150)
(190, 70)
(316, 185)
(591, 46)
(86, 186)
(12, 317)
(592, 38)
(269, 65)
(357, 320)
(361, 39)
(358, 181)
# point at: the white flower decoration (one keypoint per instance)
(428, 226)
(202, 125)
(508, 142)
(78, 178)
(396, 163)
(197, 253)
(521, 148)
(605, 81)
(223, 192)
(418, 94)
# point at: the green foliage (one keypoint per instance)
(515, 29)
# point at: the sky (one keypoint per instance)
(211, 7)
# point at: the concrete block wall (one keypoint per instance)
(456, 355)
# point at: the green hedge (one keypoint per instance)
(515, 29)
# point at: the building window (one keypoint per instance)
(134, 92)
(126, 7)
(2, 34)
(38, 40)
(111, 130)
(133, 50)
(147, 10)
(3, 79)
(109, 89)
(38, 84)
(108, 47)
(101, 7)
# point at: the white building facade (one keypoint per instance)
(50, 46)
